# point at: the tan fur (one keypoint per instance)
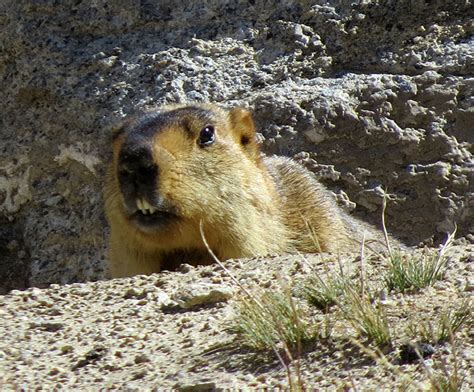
(249, 205)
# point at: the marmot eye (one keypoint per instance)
(206, 136)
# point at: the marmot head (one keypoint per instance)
(182, 163)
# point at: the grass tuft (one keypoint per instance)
(272, 319)
(443, 329)
(367, 317)
(446, 382)
(447, 377)
(323, 293)
(409, 273)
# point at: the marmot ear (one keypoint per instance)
(243, 129)
(121, 126)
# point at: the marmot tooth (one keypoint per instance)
(140, 204)
(146, 205)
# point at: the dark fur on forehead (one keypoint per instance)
(148, 124)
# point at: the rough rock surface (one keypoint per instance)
(368, 96)
(132, 334)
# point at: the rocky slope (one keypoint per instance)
(369, 96)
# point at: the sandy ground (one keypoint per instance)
(171, 330)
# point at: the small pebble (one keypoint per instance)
(185, 268)
(49, 326)
(196, 386)
(54, 371)
(133, 292)
(141, 358)
(469, 285)
(202, 294)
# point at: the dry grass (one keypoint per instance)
(409, 273)
(272, 319)
(406, 272)
(449, 322)
(367, 317)
(351, 296)
(445, 377)
(324, 291)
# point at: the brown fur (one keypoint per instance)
(248, 204)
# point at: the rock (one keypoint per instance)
(202, 294)
(196, 386)
(376, 94)
(412, 352)
(135, 293)
(90, 357)
(49, 326)
(469, 285)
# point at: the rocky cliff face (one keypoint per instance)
(367, 96)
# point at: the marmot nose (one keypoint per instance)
(137, 172)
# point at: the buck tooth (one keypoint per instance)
(140, 204)
(146, 205)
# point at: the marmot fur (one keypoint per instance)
(183, 166)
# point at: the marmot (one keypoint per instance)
(183, 166)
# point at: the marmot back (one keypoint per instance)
(182, 167)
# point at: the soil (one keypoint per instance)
(172, 330)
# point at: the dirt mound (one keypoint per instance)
(171, 330)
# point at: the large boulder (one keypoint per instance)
(370, 97)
